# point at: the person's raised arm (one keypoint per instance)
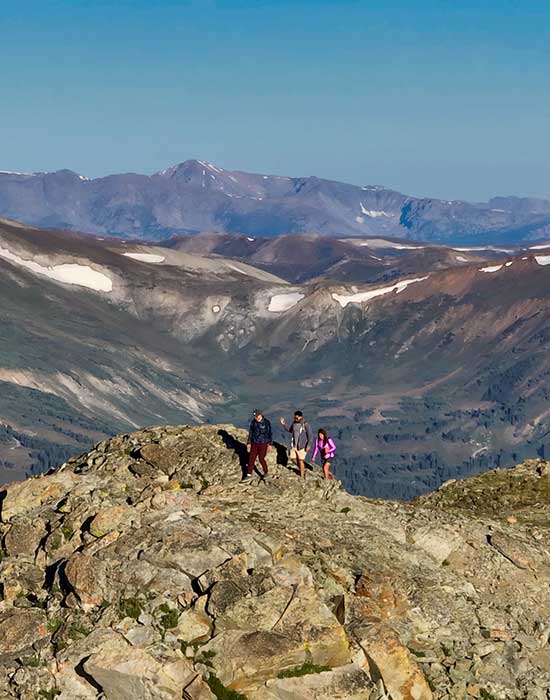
(288, 429)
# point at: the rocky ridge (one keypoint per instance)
(145, 569)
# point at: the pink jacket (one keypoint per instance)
(327, 451)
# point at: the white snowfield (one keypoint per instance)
(491, 268)
(381, 243)
(542, 246)
(373, 213)
(461, 258)
(67, 273)
(284, 302)
(543, 259)
(360, 297)
(146, 257)
(486, 247)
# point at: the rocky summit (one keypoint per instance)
(145, 569)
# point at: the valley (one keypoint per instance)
(425, 364)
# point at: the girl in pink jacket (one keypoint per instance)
(324, 445)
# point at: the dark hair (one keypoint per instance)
(324, 434)
(298, 413)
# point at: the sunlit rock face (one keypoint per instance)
(145, 568)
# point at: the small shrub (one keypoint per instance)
(304, 670)
(346, 509)
(185, 485)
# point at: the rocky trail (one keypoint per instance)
(146, 570)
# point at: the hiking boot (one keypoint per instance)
(246, 477)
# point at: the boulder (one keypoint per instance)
(125, 672)
(20, 630)
(24, 537)
(87, 577)
(394, 664)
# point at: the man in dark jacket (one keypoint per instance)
(259, 440)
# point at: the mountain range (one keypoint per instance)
(424, 362)
(198, 196)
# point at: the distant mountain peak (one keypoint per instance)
(198, 195)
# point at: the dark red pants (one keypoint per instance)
(259, 451)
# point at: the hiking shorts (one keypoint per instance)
(297, 454)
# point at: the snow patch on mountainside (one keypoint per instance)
(543, 259)
(491, 268)
(146, 257)
(67, 273)
(373, 213)
(381, 243)
(284, 302)
(360, 297)
(542, 246)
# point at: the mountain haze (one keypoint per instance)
(197, 196)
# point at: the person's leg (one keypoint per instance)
(262, 451)
(252, 457)
(326, 472)
(302, 462)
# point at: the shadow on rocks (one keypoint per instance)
(239, 447)
(232, 443)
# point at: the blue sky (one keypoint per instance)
(437, 98)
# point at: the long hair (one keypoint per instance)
(324, 434)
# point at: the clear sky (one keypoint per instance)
(447, 98)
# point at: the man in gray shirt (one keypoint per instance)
(302, 439)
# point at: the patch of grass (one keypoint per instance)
(184, 645)
(205, 657)
(67, 531)
(221, 692)
(59, 644)
(130, 607)
(77, 631)
(185, 485)
(169, 620)
(31, 661)
(56, 541)
(346, 509)
(54, 624)
(50, 694)
(304, 670)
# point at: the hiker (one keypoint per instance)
(302, 439)
(258, 443)
(325, 446)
